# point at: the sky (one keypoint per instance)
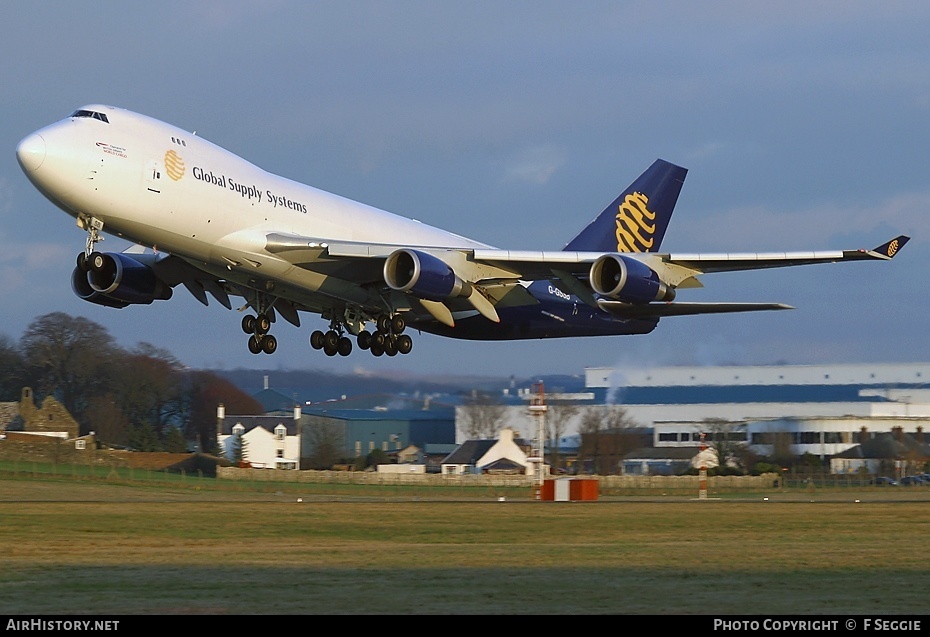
(804, 126)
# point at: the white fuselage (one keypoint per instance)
(170, 190)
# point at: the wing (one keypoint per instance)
(487, 278)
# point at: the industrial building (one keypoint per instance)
(822, 410)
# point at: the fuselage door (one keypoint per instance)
(152, 175)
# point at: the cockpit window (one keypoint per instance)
(92, 114)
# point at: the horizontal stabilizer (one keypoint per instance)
(649, 310)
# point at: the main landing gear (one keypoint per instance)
(387, 339)
(259, 340)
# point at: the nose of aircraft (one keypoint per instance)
(31, 152)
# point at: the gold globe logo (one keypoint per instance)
(635, 224)
(893, 248)
(174, 165)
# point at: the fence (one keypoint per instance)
(607, 484)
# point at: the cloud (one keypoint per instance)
(759, 228)
(534, 165)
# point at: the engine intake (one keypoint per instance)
(117, 280)
(624, 279)
(423, 276)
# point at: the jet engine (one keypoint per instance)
(624, 279)
(117, 280)
(423, 275)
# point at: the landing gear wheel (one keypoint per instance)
(262, 324)
(397, 324)
(384, 324)
(377, 338)
(82, 262)
(97, 261)
(364, 339)
(377, 349)
(316, 340)
(269, 344)
(345, 346)
(330, 341)
(390, 347)
(329, 348)
(404, 344)
(255, 344)
(248, 324)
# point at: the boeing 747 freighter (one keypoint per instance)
(204, 218)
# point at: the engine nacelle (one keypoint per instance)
(625, 279)
(423, 275)
(119, 279)
(82, 288)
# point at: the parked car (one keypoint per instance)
(912, 480)
(883, 481)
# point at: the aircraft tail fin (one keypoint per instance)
(636, 220)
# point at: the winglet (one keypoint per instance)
(889, 249)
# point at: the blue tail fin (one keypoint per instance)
(637, 219)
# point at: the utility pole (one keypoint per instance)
(702, 472)
(538, 411)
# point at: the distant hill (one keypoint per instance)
(318, 385)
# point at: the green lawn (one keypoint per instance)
(93, 546)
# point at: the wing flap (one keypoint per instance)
(629, 310)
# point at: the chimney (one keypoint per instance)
(920, 434)
(863, 435)
(898, 433)
(220, 417)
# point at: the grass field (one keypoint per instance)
(73, 546)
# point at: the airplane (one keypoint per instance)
(205, 218)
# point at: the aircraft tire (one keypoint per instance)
(262, 324)
(345, 346)
(269, 344)
(377, 349)
(331, 340)
(404, 344)
(398, 324)
(316, 339)
(364, 339)
(390, 347)
(384, 324)
(82, 262)
(255, 345)
(248, 324)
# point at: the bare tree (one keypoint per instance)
(724, 437)
(590, 428)
(607, 434)
(71, 358)
(558, 415)
(325, 442)
(481, 415)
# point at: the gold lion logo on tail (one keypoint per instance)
(635, 224)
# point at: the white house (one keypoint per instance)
(487, 456)
(266, 442)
